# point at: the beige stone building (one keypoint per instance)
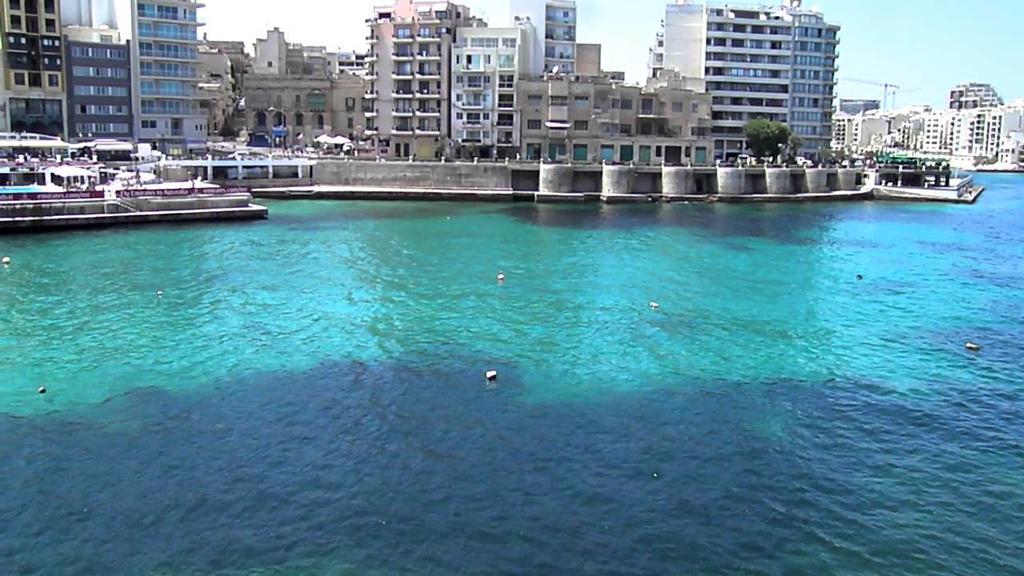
(598, 120)
(292, 96)
(409, 75)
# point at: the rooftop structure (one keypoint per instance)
(973, 95)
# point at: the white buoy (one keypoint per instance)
(491, 375)
(655, 306)
(6, 261)
(42, 390)
(159, 293)
(501, 277)
(973, 347)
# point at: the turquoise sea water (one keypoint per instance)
(307, 395)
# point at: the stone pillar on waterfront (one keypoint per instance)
(731, 181)
(677, 181)
(778, 181)
(847, 179)
(616, 180)
(817, 180)
(556, 178)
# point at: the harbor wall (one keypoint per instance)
(440, 176)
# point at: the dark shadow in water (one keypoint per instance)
(394, 468)
(788, 224)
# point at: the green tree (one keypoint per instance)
(766, 138)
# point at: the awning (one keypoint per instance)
(556, 125)
(70, 172)
(32, 143)
(333, 140)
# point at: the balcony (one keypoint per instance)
(402, 39)
(474, 88)
(402, 130)
(428, 57)
(369, 95)
(403, 56)
(432, 95)
(371, 58)
(471, 105)
(370, 113)
(402, 113)
(402, 95)
(428, 74)
(431, 38)
(402, 75)
(428, 132)
(428, 113)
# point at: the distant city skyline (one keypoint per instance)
(905, 42)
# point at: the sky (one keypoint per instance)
(924, 46)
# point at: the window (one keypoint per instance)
(51, 26)
(300, 120)
(320, 121)
(15, 22)
(580, 126)
(677, 106)
(49, 6)
(559, 101)
(533, 125)
(270, 64)
(581, 101)
(19, 78)
(298, 100)
(350, 104)
(695, 107)
(626, 104)
(35, 80)
(351, 123)
(535, 99)
(53, 80)
(14, 4)
(150, 124)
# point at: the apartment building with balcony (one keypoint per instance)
(165, 77)
(487, 64)
(554, 45)
(771, 62)
(409, 76)
(594, 119)
(32, 97)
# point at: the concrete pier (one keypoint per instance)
(779, 181)
(847, 179)
(817, 180)
(731, 181)
(616, 180)
(677, 181)
(556, 178)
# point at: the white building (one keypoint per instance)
(165, 79)
(971, 95)
(860, 132)
(89, 13)
(777, 63)
(486, 66)
(554, 45)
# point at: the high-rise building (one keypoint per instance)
(554, 46)
(487, 64)
(165, 79)
(973, 95)
(776, 63)
(847, 106)
(99, 84)
(409, 69)
(32, 98)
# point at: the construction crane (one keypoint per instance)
(888, 89)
